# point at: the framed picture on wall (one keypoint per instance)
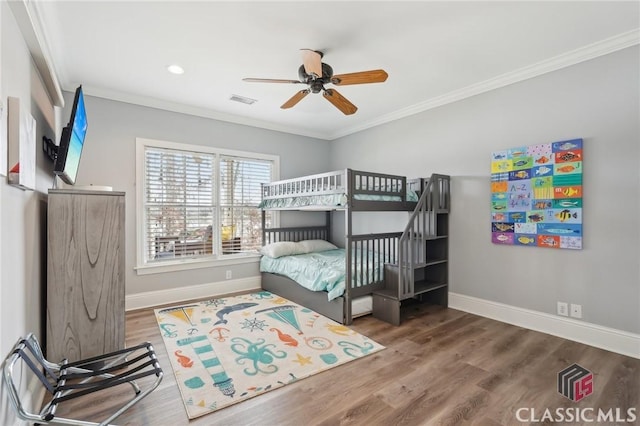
(3, 139)
(21, 141)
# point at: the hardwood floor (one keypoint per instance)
(441, 366)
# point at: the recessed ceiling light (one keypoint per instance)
(242, 99)
(175, 69)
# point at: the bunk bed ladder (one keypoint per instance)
(422, 262)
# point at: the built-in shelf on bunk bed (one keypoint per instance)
(375, 265)
(426, 278)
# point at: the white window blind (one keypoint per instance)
(179, 203)
(240, 195)
(200, 204)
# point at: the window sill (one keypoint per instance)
(188, 264)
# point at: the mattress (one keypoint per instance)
(329, 200)
(361, 306)
(321, 271)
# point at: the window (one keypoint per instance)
(199, 204)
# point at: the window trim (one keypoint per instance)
(218, 260)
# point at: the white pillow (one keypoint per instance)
(281, 248)
(313, 246)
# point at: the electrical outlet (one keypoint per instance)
(563, 309)
(576, 311)
(228, 274)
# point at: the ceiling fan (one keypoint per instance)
(315, 73)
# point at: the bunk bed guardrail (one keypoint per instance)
(318, 184)
(422, 225)
(274, 235)
(351, 183)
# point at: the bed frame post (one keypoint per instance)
(327, 224)
(348, 249)
(264, 231)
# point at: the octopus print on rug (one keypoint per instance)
(224, 351)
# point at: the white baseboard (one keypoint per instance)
(610, 339)
(181, 294)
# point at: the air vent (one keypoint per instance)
(242, 99)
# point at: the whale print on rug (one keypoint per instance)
(224, 351)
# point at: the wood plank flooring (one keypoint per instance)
(441, 367)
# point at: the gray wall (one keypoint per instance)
(596, 100)
(108, 159)
(22, 213)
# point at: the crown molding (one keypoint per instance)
(591, 51)
(28, 18)
(195, 111)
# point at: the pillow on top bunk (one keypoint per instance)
(314, 246)
(281, 248)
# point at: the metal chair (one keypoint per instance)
(69, 380)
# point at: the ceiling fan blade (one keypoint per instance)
(362, 77)
(340, 101)
(295, 99)
(312, 61)
(270, 80)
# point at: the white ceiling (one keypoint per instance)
(434, 52)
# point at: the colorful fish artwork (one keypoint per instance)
(522, 174)
(517, 217)
(548, 241)
(567, 192)
(567, 145)
(502, 227)
(542, 171)
(526, 240)
(535, 217)
(566, 169)
(560, 229)
(536, 195)
(500, 238)
(542, 204)
(501, 166)
(498, 217)
(567, 156)
(567, 203)
(565, 215)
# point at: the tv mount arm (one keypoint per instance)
(49, 148)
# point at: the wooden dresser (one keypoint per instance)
(85, 273)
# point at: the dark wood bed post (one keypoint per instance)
(347, 241)
(327, 224)
(264, 231)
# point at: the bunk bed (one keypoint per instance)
(365, 256)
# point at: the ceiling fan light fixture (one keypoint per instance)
(315, 74)
(175, 69)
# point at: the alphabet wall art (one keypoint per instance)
(536, 195)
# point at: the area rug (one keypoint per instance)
(224, 351)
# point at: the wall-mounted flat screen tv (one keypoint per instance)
(72, 141)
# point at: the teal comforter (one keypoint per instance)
(321, 271)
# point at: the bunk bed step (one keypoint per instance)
(425, 286)
(394, 266)
(386, 306)
(390, 293)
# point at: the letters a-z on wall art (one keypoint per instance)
(536, 195)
